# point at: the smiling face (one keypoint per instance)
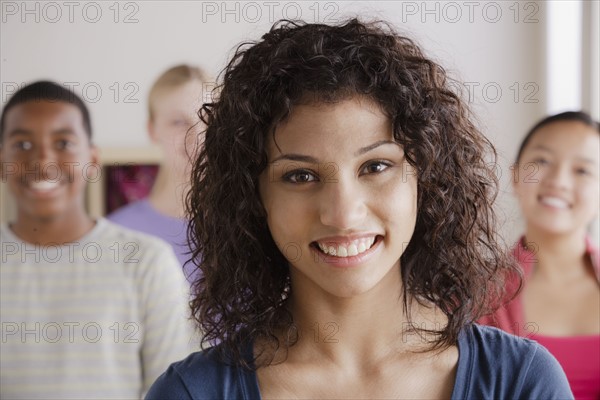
(47, 156)
(558, 178)
(340, 197)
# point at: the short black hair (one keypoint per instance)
(46, 91)
(567, 116)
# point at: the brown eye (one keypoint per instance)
(300, 176)
(63, 144)
(375, 167)
(582, 171)
(23, 145)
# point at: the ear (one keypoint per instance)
(515, 170)
(94, 154)
(6, 168)
(152, 131)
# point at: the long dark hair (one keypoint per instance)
(454, 259)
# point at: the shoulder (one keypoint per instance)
(203, 375)
(148, 255)
(145, 242)
(5, 233)
(490, 338)
(10, 250)
(130, 213)
(501, 365)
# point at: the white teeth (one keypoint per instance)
(353, 249)
(43, 185)
(555, 202)
(370, 242)
(323, 248)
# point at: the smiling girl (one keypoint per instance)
(341, 217)
(557, 184)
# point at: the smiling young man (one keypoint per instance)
(88, 309)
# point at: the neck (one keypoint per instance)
(168, 193)
(557, 254)
(56, 230)
(361, 330)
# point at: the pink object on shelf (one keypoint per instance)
(128, 183)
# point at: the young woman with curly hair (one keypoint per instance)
(341, 217)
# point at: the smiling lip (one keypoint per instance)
(42, 189)
(554, 202)
(346, 262)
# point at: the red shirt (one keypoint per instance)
(578, 355)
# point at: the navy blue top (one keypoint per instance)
(492, 364)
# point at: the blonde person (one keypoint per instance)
(173, 124)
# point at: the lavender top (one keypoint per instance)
(142, 217)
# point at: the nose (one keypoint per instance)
(42, 162)
(342, 204)
(558, 176)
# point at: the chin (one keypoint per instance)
(555, 228)
(352, 289)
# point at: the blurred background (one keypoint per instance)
(517, 60)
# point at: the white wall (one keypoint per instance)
(497, 47)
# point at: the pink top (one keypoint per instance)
(578, 355)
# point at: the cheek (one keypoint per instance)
(525, 192)
(287, 219)
(590, 193)
(79, 166)
(403, 191)
(288, 216)
(83, 174)
(401, 207)
(168, 135)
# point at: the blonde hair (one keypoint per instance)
(173, 78)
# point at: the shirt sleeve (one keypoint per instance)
(168, 333)
(545, 378)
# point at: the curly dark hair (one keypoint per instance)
(454, 260)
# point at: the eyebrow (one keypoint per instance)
(63, 131)
(25, 132)
(583, 159)
(19, 132)
(312, 160)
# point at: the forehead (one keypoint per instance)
(184, 97)
(43, 116)
(331, 127)
(567, 139)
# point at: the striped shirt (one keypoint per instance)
(98, 318)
